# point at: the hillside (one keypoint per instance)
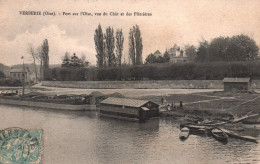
(5, 69)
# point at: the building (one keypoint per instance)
(178, 59)
(20, 74)
(237, 84)
(177, 55)
(129, 108)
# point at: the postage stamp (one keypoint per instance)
(19, 145)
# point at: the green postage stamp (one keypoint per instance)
(19, 145)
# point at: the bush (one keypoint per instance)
(10, 82)
(166, 71)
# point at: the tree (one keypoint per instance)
(66, 60)
(132, 53)
(39, 57)
(99, 46)
(242, 47)
(2, 74)
(138, 45)
(75, 61)
(45, 53)
(166, 57)
(110, 46)
(203, 52)
(33, 53)
(151, 58)
(85, 63)
(190, 52)
(135, 45)
(218, 49)
(119, 46)
(43, 56)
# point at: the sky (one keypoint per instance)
(172, 22)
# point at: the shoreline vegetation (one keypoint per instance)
(163, 71)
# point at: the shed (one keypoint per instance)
(129, 108)
(238, 84)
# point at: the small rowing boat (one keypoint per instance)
(219, 135)
(184, 134)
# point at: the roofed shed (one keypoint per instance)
(129, 108)
(239, 84)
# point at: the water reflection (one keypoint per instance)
(84, 137)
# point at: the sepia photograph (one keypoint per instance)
(129, 82)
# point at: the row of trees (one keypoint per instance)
(40, 55)
(235, 48)
(168, 71)
(105, 44)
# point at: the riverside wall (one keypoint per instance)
(47, 105)
(151, 84)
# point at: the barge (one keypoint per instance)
(129, 109)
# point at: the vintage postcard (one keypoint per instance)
(127, 81)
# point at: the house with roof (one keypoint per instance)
(23, 74)
(130, 109)
(237, 84)
(177, 54)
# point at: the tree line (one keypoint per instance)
(168, 71)
(235, 48)
(109, 46)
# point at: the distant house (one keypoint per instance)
(177, 55)
(20, 74)
(238, 84)
(129, 108)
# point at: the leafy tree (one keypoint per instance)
(85, 63)
(190, 52)
(42, 55)
(66, 60)
(45, 53)
(110, 46)
(99, 45)
(33, 52)
(138, 45)
(75, 61)
(135, 45)
(218, 49)
(119, 45)
(203, 51)
(166, 57)
(242, 47)
(2, 74)
(151, 58)
(132, 53)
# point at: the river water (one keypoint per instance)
(84, 137)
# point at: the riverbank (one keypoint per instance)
(197, 103)
(55, 106)
(216, 105)
(149, 84)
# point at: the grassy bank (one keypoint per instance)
(212, 103)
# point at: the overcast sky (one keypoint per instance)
(180, 22)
